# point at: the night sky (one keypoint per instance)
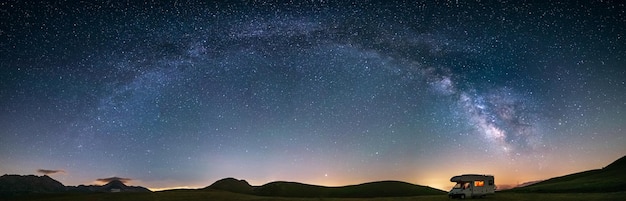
(185, 93)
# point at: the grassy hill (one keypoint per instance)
(611, 178)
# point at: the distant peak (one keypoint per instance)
(116, 181)
(115, 184)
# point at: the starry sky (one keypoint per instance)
(183, 93)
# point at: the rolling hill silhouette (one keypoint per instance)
(366, 190)
(232, 185)
(608, 179)
(294, 189)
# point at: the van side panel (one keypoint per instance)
(479, 185)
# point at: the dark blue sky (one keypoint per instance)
(184, 93)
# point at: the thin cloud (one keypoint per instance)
(107, 180)
(47, 172)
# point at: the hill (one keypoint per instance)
(232, 185)
(385, 189)
(294, 189)
(608, 179)
(290, 189)
(17, 184)
(12, 185)
(119, 186)
(112, 186)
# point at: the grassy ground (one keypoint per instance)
(180, 195)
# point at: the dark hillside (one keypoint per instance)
(14, 185)
(608, 179)
(291, 189)
(29, 183)
(119, 185)
(617, 164)
(366, 190)
(232, 185)
(384, 189)
(17, 184)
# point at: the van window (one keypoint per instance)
(479, 183)
(491, 182)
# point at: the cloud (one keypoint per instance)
(47, 172)
(107, 180)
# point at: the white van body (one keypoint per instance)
(472, 185)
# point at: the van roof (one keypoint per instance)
(470, 177)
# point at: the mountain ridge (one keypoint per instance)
(11, 185)
(607, 179)
(296, 189)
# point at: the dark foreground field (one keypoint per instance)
(190, 195)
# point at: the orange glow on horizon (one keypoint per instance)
(174, 187)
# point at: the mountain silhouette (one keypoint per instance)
(366, 190)
(112, 186)
(12, 185)
(608, 179)
(17, 184)
(119, 186)
(294, 189)
(617, 164)
(232, 185)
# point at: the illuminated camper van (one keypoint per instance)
(472, 185)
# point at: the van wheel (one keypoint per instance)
(462, 196)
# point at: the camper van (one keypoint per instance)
(472, 185)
